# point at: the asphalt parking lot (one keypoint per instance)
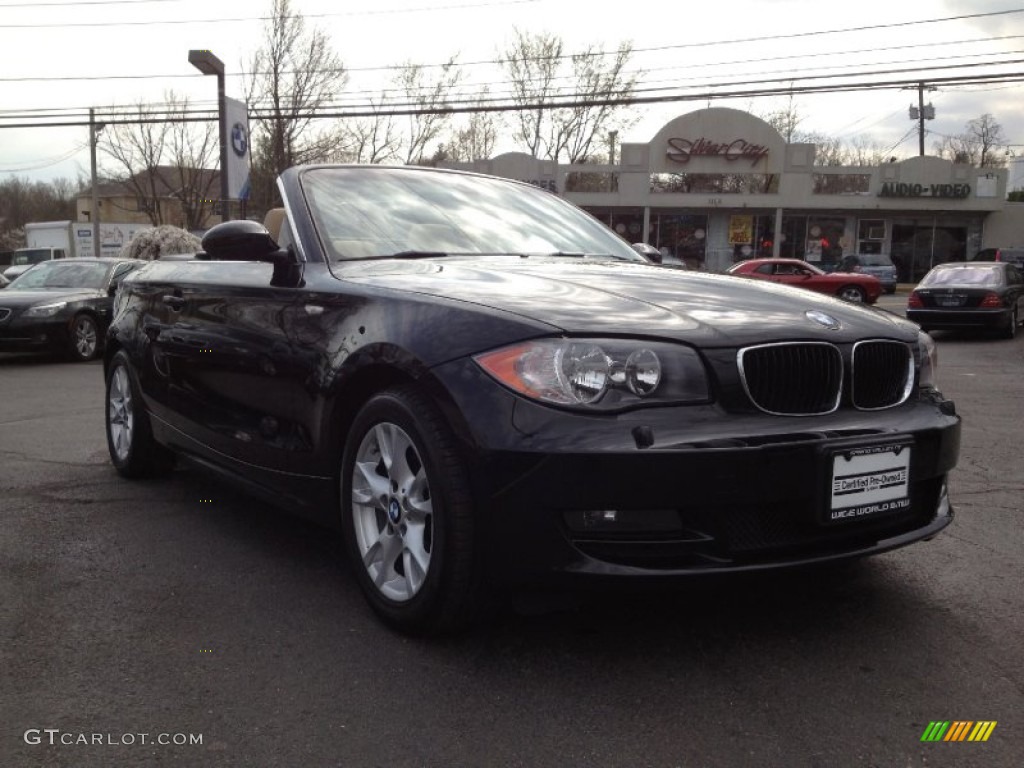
(136, 612)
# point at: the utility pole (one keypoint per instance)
(920, 117)
(921, 113)
(94, 129)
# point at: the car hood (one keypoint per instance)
(14, 298)
(602, 297)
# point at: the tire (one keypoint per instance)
(1010, 331)
(408, 518)
(133, 451)
(84, 341)
(852, 293)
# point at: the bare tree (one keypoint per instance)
(192, 150)
(575, 130)
(981, 144)
(368, 139)
(136, 151)
(429, 96)
(293, 74)
(165, 158)
(532, 63)
(477, 137)
(865, 151)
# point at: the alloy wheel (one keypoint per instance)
(85, 337)
(120, 414)
(392, 511)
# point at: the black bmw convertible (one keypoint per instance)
(484, 388)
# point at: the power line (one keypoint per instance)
(465, 108)
(377, 12)
(496, 62)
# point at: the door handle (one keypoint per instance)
(174, 302)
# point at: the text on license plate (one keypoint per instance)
(870, 481)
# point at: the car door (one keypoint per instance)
(239, 364)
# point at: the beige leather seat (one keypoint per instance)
(273, 221)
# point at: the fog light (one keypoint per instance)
(600, 517)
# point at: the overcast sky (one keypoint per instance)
(61, 56)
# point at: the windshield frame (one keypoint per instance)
(363, 213)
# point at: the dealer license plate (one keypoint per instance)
(869, 481)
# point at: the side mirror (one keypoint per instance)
(240, 240)
(244, 240)
(648, 251)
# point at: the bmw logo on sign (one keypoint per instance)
(239, 139)
(824, 319)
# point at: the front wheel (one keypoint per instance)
(85, 338)
(853, 293)
(408, 516)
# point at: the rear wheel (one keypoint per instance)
(408, 516)
(852, 293)
(1010, 331)
(133, 451)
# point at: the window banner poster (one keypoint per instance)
(741, 230)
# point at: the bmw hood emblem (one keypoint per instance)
(823, 319)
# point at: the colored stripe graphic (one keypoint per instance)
(958, 730)
(982, 730)
(935, 730)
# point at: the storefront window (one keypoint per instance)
(681, 238)
(870, 236)
(628, 223)
(917, 246)
(823, 246)
(751, 237)
(842, 183)
(794, 237)
(591, 182)
(715, 183)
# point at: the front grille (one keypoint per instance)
(883, 374)
(793, 379)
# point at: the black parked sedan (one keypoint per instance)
(979, 294)
(483, 387)
(61, 306)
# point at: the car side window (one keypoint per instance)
(764, 269)
(121, 270)
(1014, 275)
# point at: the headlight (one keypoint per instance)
(45, 310)
(929, 360)
(600, 374)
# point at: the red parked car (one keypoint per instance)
(851, 286)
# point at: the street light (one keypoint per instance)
(209, 64)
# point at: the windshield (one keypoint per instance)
(979, 274)
(365, 213)
(66, 273)
(31, 256)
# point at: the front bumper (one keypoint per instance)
(34, 334)
(714, 492)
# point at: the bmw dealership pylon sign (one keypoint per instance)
(236, 114)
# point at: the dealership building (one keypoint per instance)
(717, 185)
